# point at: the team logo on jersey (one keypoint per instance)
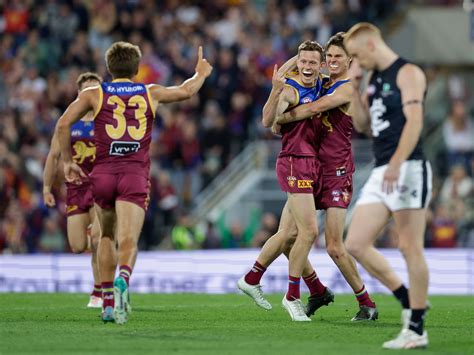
(306, 100)
(304, 184)
(291, 180)
(371, 90)
(83, 151)
(336, 195)
(377, 111)
(345, 196)
(123, 148)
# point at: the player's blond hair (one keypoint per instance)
(311, 46)
(123, 59)
(362, 28)
(87, 76)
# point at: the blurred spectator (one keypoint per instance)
(443, 229)
(458, 185)
(52, 240)
(212, 238)
(234, 234)
(185, 235)
(458, 133)
(269, 226)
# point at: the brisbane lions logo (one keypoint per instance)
(83, 151)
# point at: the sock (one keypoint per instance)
(363, 298)
(314, 284)
(401, 294)
(253, 276)
(97, 291)
(125, 272)
(293, 288)
(108, 294)
(416, 321)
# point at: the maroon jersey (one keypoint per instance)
(82, 145)
(123, 126)
(302, 138)
(335, 152)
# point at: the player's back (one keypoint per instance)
(301, 138)
(82, 144)
(335, 153)
(123, 126)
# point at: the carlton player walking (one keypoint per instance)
(400, 183)
(124, 113)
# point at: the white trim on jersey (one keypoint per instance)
(413, 189)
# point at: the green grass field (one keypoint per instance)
(219, 324)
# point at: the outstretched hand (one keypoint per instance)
(278, 79)
(203, 67)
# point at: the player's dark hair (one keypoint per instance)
(122, 59)
(81, 79)
(311, 46)
(336, 40)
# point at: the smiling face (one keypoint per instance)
(309, 65)
(337, 61)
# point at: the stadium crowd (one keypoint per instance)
(45, 45)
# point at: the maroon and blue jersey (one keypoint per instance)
(301, 138)
(335, 152)
(82, 145)
(123, 127)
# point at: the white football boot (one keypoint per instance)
(254, 292)
(407, 339)
(296, 309)
(95, 302)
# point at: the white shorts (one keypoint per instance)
(413, 189)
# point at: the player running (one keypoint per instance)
(400, 183)
(79, 201)
(124, 114)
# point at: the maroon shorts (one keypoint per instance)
(109, 188)
(335, 192)
(79, 199)
(298, 175)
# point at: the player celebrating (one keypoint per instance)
(124, 113)
(79, 200)
(297, 171)
(400, 183)
(334, 109)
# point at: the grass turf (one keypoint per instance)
(219, 324)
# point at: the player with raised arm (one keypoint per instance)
(298, 175)
(337, 166)
(79, 200)
(400, 183)
(124, 114)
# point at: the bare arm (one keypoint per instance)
(288, 66)
(359, 103)
(287, 97)
(162, 94)
(50, 169)
(412, 83)
(341, 96)
(269, 109)
(85, 102)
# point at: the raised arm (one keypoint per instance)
(359, 104)
(50, 170)
(85, 102)
(270, 107)
(167, 94)
(412, 84)
(341, 96)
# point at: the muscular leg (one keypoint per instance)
(410, 226)
(304, 212)
(367, 222)
(95, 238)
(77, 231)
(107, 258)
(335, 218)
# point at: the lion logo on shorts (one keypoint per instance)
(83, 151)
(291, 181)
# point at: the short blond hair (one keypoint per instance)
(123, 59)
(362, 28)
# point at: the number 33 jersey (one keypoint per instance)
(123, 126)
(386, 114)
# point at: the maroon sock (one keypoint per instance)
(314, 285)
(363, 298)
(253, 276)
(293, 288)
(108, 294)
(97, 291)
(125, 272)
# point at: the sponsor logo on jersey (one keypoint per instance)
(336, 195)
(83, 151)
(124, 148)
(371, 90)
(304, 184)
(341, 171)
(291, 180)
(76, 133)
(386, 90)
